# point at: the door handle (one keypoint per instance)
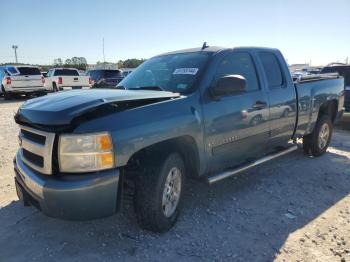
(259, 105)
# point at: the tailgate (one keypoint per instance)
(347, 99)
(22, 81)
(75, 81)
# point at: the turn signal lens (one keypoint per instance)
(106, 160)
(104, 142)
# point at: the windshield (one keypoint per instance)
(66, 72)
(174, 73)
(28, 71)
(112, 73)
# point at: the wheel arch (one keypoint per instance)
(184, 145)
(329, 108)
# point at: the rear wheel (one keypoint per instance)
(158, 193)
(54, 87)
(7, 95)
(318, 141)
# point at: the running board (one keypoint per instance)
(226, 174)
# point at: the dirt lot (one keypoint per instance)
(296, 208)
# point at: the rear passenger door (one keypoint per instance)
(282, 98)
(236, 126)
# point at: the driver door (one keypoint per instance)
(237, 126)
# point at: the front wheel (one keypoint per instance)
(318, 141)
(158, 193)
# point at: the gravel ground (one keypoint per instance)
(295, 208)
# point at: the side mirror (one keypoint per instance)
(228, 85)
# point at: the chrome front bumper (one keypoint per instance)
(73, 197)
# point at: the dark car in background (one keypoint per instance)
(344, 71)
(105, 78)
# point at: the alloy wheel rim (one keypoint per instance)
(171, 192)
(323, 136)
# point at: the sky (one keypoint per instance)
(316, 31)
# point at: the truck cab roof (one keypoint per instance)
(215, 49)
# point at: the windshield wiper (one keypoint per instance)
(120, 87)
(155, 88)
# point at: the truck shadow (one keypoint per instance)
(245, 218)
(15, 100)
(344, 122)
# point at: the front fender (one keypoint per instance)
(138, 128)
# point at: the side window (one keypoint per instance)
(239, 64)
(272, 69)
(99, 74)
(49, 73)
(12, 70)
(93, 74)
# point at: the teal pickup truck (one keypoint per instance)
(207, 113)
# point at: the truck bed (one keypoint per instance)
(312, 91)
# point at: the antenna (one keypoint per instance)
(204, 46)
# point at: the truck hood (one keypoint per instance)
(60, 109)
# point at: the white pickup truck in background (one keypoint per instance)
(58, 79)
(21, 80)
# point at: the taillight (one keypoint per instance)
(42, 79)
(90, 81)
(8, 80)
(60, 81)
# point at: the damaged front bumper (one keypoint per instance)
(73, 197)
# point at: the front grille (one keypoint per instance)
(34, 158)
(34, 137)
(347, 101)
(36, 149)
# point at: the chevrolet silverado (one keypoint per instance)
(207, 113)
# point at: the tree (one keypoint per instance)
(57, 62)
(76, 62)
(130, 63)
(68, 62)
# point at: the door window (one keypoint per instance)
(239, 63)
(272, 69)
(12, 70)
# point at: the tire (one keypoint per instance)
(317, 142)
(255, 120)
(7, 95)
(43, 93)
(54, 87)
(285, 113)
(153, 198)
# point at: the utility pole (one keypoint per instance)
(347, 60)
(103, 51)
(15, 48)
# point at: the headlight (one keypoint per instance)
(84, 153)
